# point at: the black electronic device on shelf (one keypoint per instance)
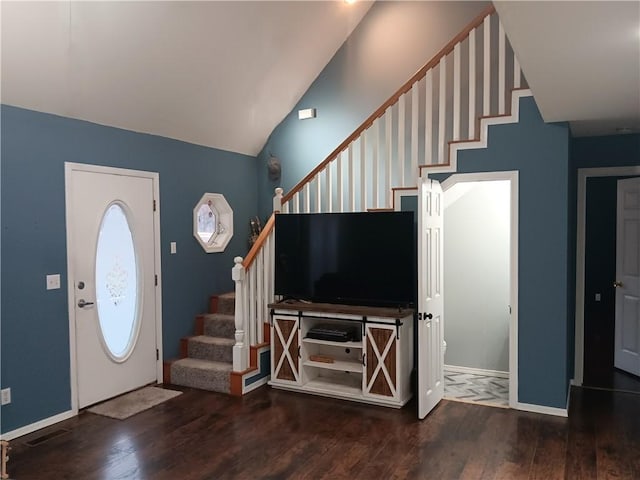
(335, 333)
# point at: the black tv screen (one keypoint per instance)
(347, 258)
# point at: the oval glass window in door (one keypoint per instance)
(117, 288)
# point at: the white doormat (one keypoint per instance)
(134, 402)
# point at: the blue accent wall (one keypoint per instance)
(35, 325)
(540, 153)
(606, 151)
(388, 46)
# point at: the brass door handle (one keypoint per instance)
(617, 284)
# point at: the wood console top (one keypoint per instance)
(359, 310)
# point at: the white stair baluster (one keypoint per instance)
(388, 124)
(328, 188)
(307, 197)
(296, 202)
(428, 124)
(442, 87)
(472, 84)
(318, 194)
(339, 180)
(363, 172)
(260, 296)
(252, 303)
(414, 134)
(456, 92)
(374, 164)
(516, 72)
(401, 138)
(501, 69)
(352, 179)
(486, 85)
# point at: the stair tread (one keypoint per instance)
(213, 340)
(204, 364)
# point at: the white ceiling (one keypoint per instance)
(225, 74)
(581, 59)
(220, 74)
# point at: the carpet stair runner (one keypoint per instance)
(207, 357)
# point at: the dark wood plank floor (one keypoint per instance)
(270, 434)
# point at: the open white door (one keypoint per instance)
(430, 300)
(627, 334)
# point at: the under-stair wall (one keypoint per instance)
(446, 104)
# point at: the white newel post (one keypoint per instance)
(240, 349)
(277, 200)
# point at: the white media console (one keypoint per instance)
(375, 367)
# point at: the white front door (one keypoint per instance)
(430, 299)
(110, 222)
(627, 330)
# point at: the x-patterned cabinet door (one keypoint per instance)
(381, 370)
(285, 360)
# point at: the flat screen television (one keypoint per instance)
(347, 258)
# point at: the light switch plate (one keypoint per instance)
(5, 396)
(173, 247)
(53, 281)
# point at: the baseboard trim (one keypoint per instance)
(529, 407)
(256, 384)
(476, 371)
(47, 422)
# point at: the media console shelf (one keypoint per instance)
(372, 367)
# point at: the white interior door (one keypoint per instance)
(627, 334)
(430, 299)
(112, 249)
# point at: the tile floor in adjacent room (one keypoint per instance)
(469, 387)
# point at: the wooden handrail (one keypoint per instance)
(446, 50)
(251, 256)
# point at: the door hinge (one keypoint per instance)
(154, 205)
(156, 280)
(157, 354)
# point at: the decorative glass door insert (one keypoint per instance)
(117, 286)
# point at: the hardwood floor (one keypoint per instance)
(270, 434)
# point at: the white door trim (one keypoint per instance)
(70, 167)
(512, 177)
(583, 174)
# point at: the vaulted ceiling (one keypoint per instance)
(225, 73)
(220, 74)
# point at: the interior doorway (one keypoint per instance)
(599, 302)
(480, 301)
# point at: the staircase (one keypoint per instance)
(475, 81)
(207, 357)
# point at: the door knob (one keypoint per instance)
(617, 284)
(82, 303)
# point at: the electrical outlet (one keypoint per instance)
(173, 247)
(5, 396)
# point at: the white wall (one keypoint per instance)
(476, 277)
